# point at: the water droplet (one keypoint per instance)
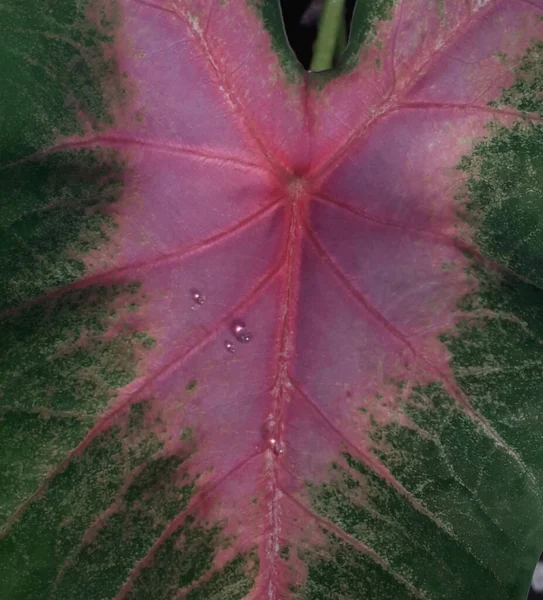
(229, 346)
(276, 446)
(197, 296)
(240, 331)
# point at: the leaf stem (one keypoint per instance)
(330, 28)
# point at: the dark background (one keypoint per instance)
(301, 20)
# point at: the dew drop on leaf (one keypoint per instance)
(197, 296)
(229, 346)
(277, 446)
(240, 331)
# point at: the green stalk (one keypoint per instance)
(330, 27)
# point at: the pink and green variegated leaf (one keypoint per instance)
(266, 334)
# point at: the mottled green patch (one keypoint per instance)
(31, 445)
(185, 561)
(269, 11)
(365, 17)
(136, 416)
(369, 510)
(498, 360)
(526, 93)
(449, 266)
(187, 434)
(143, 338)
(192, 385)
(473, 483)
(55, 66)
(233, 582)
(141, 444)
(97, 518)
(54, 355)
(284, 552)
(479, 525)
(342, 572)
(150, 501)
(505, 197)
(51, 216)
(58, 78)
(57, 373)
(51, 529)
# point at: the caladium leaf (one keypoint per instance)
(268, 334)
